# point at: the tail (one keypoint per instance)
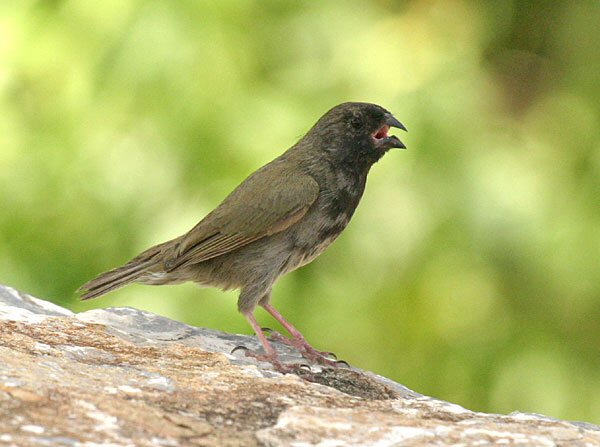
(121, 276)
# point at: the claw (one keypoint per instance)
(268, 330)
(342, 362)
(305, 366)
(239, 347)
(330, 355)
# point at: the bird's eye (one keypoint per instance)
(356, 122)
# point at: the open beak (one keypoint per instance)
(381, 137)
(393, 122)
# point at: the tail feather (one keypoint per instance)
(121, 276)
(112, 280)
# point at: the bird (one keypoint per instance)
(278, 219)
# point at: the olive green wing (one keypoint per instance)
(267, 202)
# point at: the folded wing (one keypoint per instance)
(269, 201)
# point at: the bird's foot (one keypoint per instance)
(275, 361)
(320, 357)
(308, 352)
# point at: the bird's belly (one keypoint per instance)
(307, 249)
(307, 256)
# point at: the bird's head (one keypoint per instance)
(358, 130)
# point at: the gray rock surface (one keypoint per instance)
(125, 377)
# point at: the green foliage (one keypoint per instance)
(471, 270)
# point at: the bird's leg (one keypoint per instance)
(298, 341)
(246, 305)
(270, 354)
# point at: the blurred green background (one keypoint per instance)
(471, 270)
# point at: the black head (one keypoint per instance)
(358, 130)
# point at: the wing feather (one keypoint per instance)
(269, 201)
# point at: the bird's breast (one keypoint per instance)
(325, 235)
(321, 226)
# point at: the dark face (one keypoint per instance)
(360, 130)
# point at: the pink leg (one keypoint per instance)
(269, 350)
(295, 333)
(270, 354)
(299, 342)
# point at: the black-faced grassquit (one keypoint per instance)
(280, 218)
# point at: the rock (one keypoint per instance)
(122, 376)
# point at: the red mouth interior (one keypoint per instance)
(382, 133)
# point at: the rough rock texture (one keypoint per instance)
(125, 377)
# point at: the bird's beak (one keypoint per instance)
(392, 140)
(393, 122)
